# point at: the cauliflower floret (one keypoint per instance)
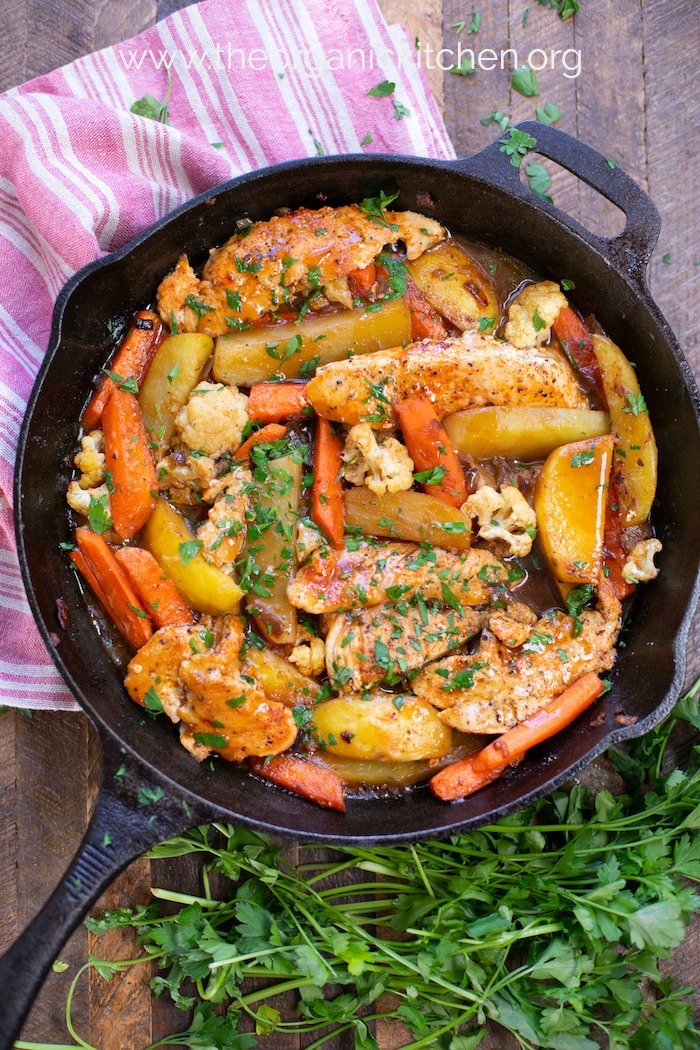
(79, 498)
(213, 419)
(310, 657)
(504, 516)
(532, 314)
(639, 567)
(90, 461)
(383, 466)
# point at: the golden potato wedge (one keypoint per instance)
(456, 286)
(520, 432)
(203, 586)
(271, 548)
(635, 466)
(399, 774)
(279, 679)
(570, 501)
(252, 356)
(382, 729)
(173, 375)
(413, 516)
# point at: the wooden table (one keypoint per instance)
(634, 101)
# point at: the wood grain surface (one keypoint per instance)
(636, 100)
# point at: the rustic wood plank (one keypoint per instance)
(8, 828)
(127, 994)
(53, 792)
(545, 32)
(610, 104)
(468, 99)
(422, 22)
(13, 43)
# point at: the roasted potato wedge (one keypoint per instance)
(203, 586)
(413, 516)
(173, 375)
(570, 501)
(279, 679)
(456, 286)
(382, 729)
(255, 355)
(271, 548)
(520, 432)
(635, 465)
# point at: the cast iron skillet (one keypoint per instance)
(481, 197)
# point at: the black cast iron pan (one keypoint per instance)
(481, 197)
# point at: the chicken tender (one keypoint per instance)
(466, 372)
(333, 581)
(213, 419)
(223, 533)
(268, 266)
(365, 646)
(496, 687)
(532, 313)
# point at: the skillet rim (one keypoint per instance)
(638, 287)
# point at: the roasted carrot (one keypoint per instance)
(479, 769)
(614, 556)
(577, 342)
(425, 322)
(96, 562)
(305, 778)
(361, 281)
(129, 460)
(131, 361)
(327, 493)
(159, 597)
(273, 402)
(272, 432)
(430, 449)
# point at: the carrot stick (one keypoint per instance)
(476, 771)
(361, 281)
(132, 360)
(129, 459)
(272, 432)
(614, 556)
(425, 322)
(429, 447)
(273, 402)
(577, 341)
(158, 596)
(96, 562)
(327, 508)
(308, 779)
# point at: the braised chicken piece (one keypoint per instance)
(223, 533)
(333, 581)
(499, 685)
(198, 682)
(366, 646)
(467, 372)
(266, 267)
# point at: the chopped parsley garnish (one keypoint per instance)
(129, 384)
(375, 208)
(199, 307)
(430, 477)
(635, 404)
(584, 458)
(189, 550)
(99, 517)
(386, 87)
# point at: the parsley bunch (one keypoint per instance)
(549, 924)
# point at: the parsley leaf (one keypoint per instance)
(386, 87)
(99, 517)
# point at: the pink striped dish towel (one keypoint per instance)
(251, 84)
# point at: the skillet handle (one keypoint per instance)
(124, 823)
(630, 251)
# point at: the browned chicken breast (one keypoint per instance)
(498, 686)
(466, 372)
(223, 533)
(332, 581)
(365, 646)
(261, 270)
(197, 680)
